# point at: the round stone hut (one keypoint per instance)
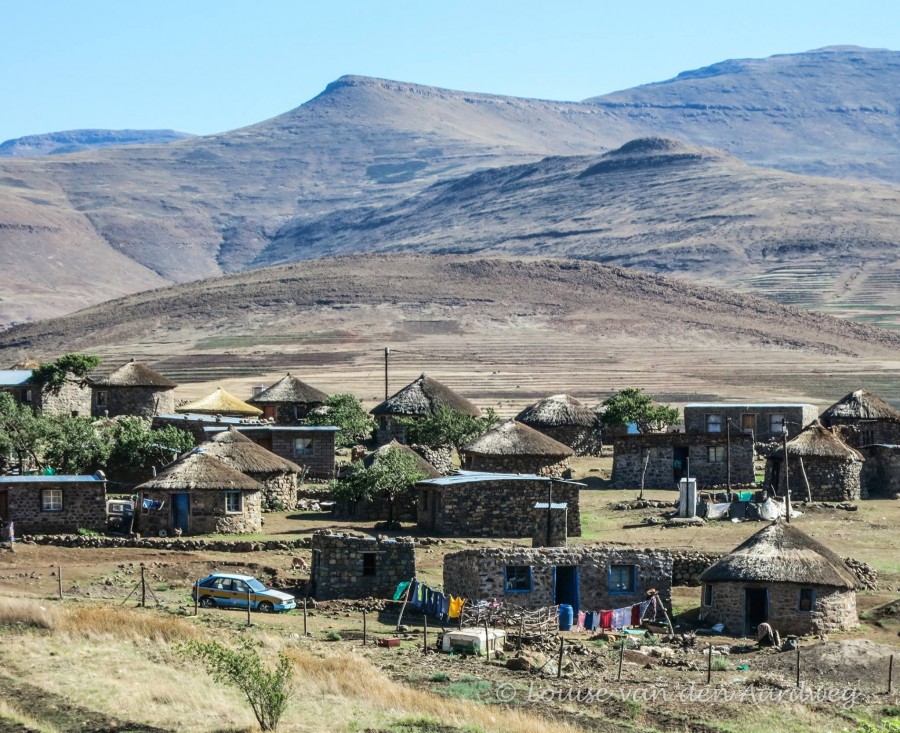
(134, 389)
(820, 467)
(288, 401)
(199, 494)
(516, 448)
(863, 418)
(220, 402)
(567, 421)
(277, 475)
(782, 577)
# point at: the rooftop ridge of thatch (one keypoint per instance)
(781, 553)
(512, 438)
(220, 402)
(558, 410)
(135, 374)
(241, 453)
(289, 389)
(817, 440)
(428, 470)
(422, 396)
(199, 471)
(861, 404)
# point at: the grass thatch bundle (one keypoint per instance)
(197, 470)
(220, 402)
(424, 396)
(515, 439)
(289, 389)
(557, 411)
(135, 374)
(424, 467)
(860, 405)
(820, 442)
(242, 454)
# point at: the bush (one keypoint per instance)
(333, 636)
(84, 532)
(345, 412)
(439, 677)
(720, 664)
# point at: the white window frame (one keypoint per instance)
(51, 500)
(777, 422)
(715, 454)
(715, 419)
(229, 502)
(307, 450)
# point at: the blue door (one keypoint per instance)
(181, 512)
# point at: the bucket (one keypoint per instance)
(566, 616)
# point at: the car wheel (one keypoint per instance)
(266, 607)
(207, 602)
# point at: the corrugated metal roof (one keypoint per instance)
(539, 505)
(14, 377)
(211, 423)
(469, 477)
(50, 479)
(276, 428)
(748, 404)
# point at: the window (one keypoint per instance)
(51, 500)
(238, 586)
(370, 560)
(101, 398)
(748, 421)
(302, 446)
(716, 453)
(714, 423)
(807, 599)
(233, 502)
(29, 396)
(519, 579)
(707, 594)
(776, 423)
(622, 578)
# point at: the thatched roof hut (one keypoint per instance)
(220, 402)
(427, 470)
(135, 374)
(423, 396)
(242, 454)
(861, 404)
(291, 390)
(198, 471)
(516, 448)
(566, 420)
(819, 442)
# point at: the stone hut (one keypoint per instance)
(220, 402)
(351, 566)
(863, 418)
(516, 448)
(589, 578)
(199, 494)
(783, 577)
(881, 471)
(72, 398)
(820, 467)
(421, 397)
(277, 475)
(473, 504)
(53, 504)
(288, 401)
(567, 421)
(134, 389)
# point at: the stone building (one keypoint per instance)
(277, 475)
(516, 448)
(421, 397)
(567, 421)
(72, 398)
(53, 504)
(199, 494)
(589, 578)
(473, 504)
(134, 389)
(666, 457)
(764, 420)
(288, 401)
(880, 478)
(783, 577)
(820, 467)
(351, 566)
(863, 418)
(220, 402)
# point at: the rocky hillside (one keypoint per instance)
(77, 141)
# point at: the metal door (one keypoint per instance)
(181, 512)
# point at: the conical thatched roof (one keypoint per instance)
(289, 389)
(220, 402)
(197, 470)
(558, 410)
(515, 439)
(422, 397)
(241, 453)
(861, 405)
(427, 470)
(819, 441)
(781, 553)
(135, 374)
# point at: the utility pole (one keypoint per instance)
(728, 452)
(387, 353)
(787, 485)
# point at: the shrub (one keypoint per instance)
(439, 677)
(333, 636)
(720, 664)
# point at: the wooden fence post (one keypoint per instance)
(621, 660)
(364, 627)
(798, 666)
(59, 580)
(891, 675)
(143, 588)
(562, 644)
(197, 598)
(709, 666)
(249, 603)
(304, 617)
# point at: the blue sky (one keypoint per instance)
(203, 66)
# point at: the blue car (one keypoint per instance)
(227, 590)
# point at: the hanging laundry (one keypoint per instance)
(401, 589)
(636, 614)
(445, 606)
(456, 606)
(581, 617)
(415, 595)
(606, 619)
(621, 617)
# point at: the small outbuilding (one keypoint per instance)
(220, 402)
(567, 421)
(288, 401)
(863, 418)
(516, 448)
(134, 389)
(199, 494)
(352, 566)
(782, 577)
(53, 504)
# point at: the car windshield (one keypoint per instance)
(256, 585)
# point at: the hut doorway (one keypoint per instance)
(565, 582)
(756, 608)
(679, 463)
(181, 512)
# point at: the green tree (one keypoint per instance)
(74, 446)
(267, 690)
(631, 405)
(391, 476)
(345, 412)
(135, 447)
(52, 375)
(447, 427)
(22, 432)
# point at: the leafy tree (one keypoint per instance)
(267, 690)
(347, 413)
(447, 427)
(135, 447)
(22, 432)
(631, 405)
(74, 446)
(392, 475)
(52, 375)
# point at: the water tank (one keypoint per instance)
(566, 617)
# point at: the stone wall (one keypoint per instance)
(834, 609)
(140, 401)
(688, 565)
(441, 457)
(207, 513)
(695, 418)
(558, 531)
(83, 506)
(496, 508)
(830, 479)
(859, 433)
(74, 398)
(630, 453)
(388, 429)
(584, 441)
(339, 565)
(551, 466)
(319, 460)
(480, 574)
(279, 490)
(880, 476)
